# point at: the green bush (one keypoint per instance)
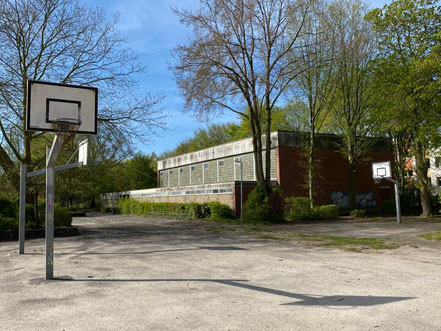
(192, 210)
(389, 207)
(29, 214)
(358, 213)
(326, 212)
(258, 208)
(62, 217)
(299, 208)
(8, 208)
(219, 210)
(107, 209)
(8, 223)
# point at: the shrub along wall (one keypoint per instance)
(9, 216)
(299, 208)
(213, 210)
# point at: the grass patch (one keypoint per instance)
(348, 243)
(436, 236)
(221, 230)
(273, 238)
(257, 229)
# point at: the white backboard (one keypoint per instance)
(82, 152)
(381, 170)
(47, 102)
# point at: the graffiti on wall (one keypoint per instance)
(362, 200)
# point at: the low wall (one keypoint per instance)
(196, 193)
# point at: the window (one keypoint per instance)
(171, 171)
(438, 162)
(193, 168)
(221, 163)
(438, 181)
(181, 170)
(206, 166)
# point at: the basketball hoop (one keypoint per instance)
(63, 109)
(66, 124)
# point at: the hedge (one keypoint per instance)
(358, 213)
(214, 210)
(299, 208)
(8, 223)
(9, 215)
(8, 208)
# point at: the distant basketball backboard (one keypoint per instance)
(381, 170)
(49, 104)
(82, 152)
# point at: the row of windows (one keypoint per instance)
(193, 168)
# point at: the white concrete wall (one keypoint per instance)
(235, 148)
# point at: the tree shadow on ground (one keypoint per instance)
(210, 248)
(304, 299)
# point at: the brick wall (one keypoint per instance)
(333, 177)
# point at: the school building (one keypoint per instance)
(214, 174)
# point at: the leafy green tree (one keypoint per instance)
(140, 172)
(408, 69)
(355, 97)
(214, 134)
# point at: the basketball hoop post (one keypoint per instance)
(397, 199)
(51, 158)
(22, 210)
(382, 170)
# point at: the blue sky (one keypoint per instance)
(152, 31)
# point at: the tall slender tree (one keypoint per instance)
(241, 59)
(315, 84)
(356, 98)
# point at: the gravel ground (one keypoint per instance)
(134, 273)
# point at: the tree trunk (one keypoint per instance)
(257, 150)
(400, 148)
(351, 194)
(268, 150)
(36, 216)
(422, 179)
(311, 166)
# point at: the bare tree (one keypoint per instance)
(66, 42)
(315, 84)
(242, 59)
(356, 96)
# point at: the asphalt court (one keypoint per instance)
(135, 273)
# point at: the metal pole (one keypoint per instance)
(397, 198)
(22, 215)
(49, 221)
(51, 157)
(241, 192)
(397, 202)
